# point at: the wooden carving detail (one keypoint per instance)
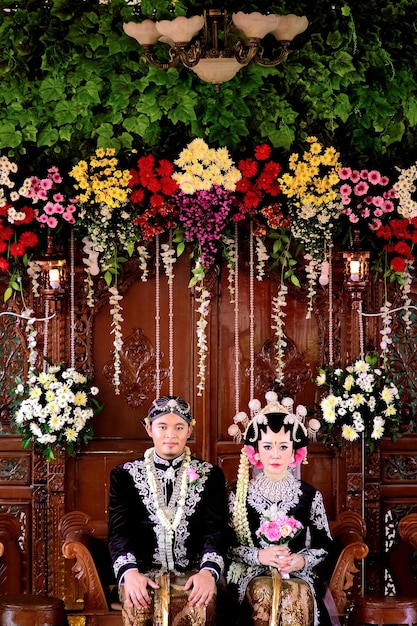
(13, 561)
(296, 372)
(76, 530)
(349, 531)
(407, 529)
(138, 369)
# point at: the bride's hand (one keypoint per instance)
(274, 556)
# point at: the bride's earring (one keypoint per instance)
(257, 457)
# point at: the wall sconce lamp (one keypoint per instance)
(356, 266)
(214, 46)
(53, 276)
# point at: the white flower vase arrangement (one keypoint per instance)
(54, 410)
(361, 402)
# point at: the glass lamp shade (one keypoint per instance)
(181, 29)
(144, 32)
(255, 25)
(217, 71)
(289, 26)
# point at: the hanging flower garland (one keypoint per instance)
(278, 326)
(105, 219)
(18, 236)
(312, 190)
(207, 180)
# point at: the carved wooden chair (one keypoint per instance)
(12, 561)
(92, 597)
(400, 608)
(78, 533)
(17, 606)
(349, 533)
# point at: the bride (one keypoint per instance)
(280, 525)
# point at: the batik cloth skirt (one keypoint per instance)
(169, 605)
(276, 601)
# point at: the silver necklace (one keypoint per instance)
(285, 491)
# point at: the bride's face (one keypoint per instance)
(275, 452)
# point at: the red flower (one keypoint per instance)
(30, 215)
(4, 264)
(16, 249)
(398, 264)
(262, 152)
(28, 239)
(6, 232)
(248, 167)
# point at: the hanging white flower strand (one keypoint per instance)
(312, 271)
(90, 261)
(34, 272)
(202, 298)
(231, 246)
(405, 293)
(143, 262)
(72, 299)
(278, 325)
(116, 330)
(168, 259)
(262, 256)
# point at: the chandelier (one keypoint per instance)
(215, 46)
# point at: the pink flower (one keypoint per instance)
(193, 476)
(361, 189)
(251, 453)
(345, 172)
(345, 190)
(374, 177)
(299, 456)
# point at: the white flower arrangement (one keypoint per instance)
(54, 410)
(360, 400)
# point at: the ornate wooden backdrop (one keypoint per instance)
(38, 494)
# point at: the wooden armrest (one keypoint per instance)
(344, 572)
(13, 558)
(349, 523)
(349, 532)
(407, 529)
(76, 530)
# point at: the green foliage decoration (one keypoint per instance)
(72, 81)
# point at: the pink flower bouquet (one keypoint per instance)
(278, 528)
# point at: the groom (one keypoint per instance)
(168, 524)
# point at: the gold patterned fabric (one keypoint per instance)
(170, 606)
(291, 603)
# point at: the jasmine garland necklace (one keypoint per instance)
(165, 514)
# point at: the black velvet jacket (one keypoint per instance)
(138, 539)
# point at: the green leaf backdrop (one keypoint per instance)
(72, 81)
